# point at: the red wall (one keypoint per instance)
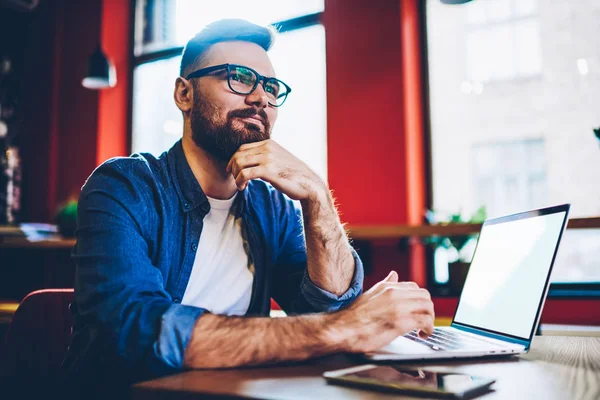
(556, 311)
(364, 111)
(375, 122)
(113, 108)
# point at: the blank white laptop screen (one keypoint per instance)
(508, 273)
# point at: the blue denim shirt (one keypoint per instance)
(139, 224)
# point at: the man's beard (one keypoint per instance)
(222, 141)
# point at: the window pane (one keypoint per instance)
(169, 23)
(523, 140)
(157, 122)
(476, 12)
(299, 59)
(301, 124)
(528, 50)
(525, 7)
(577, 258)
(498, 10)
(498, 54)
(193, 15)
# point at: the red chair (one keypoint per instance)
(38, 335)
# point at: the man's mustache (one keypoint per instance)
(248, 113)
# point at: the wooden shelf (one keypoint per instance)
(366, 232)
(370, 232)
(20, 242)
(356, 232)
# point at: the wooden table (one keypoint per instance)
(557, 367)
(27, 265)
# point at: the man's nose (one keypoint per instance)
(258, 97)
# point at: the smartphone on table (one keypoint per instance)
(411, 381)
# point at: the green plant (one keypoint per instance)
(457, 242)
(66, 218)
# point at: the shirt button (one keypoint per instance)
(186, 206)
(176, 300)
(194, 247)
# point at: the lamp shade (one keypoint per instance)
(101, 73)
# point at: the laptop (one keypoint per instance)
(501, 302)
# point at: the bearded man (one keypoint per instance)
(178, 257)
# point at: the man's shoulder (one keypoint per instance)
(137, 169)
(137, 176)
(137, 163)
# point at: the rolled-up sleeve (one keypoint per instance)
(322, 300)
(292, 288)
(120, 294)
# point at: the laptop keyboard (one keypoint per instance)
(444, 339)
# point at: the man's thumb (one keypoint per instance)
(392, 277)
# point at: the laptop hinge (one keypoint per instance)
(504, 338)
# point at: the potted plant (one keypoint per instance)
(458, 248)
(66, 218)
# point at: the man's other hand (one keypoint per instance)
(387, 310)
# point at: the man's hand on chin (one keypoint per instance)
(269, 161)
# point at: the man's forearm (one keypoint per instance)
(329, 259)
(222, 342)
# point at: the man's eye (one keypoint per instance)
(273, 89)
(247, 79)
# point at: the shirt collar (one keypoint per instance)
(188, 189)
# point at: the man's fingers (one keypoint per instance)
(425, 325)
(247, 174)
(247, 161)
(405, 290)
(380, 285)
(422, 306)
(247, 146)
(240, 155)
(392, 277)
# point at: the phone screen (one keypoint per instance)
(418, 380)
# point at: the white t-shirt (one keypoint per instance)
(221, 279)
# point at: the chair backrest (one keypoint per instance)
(38, 335)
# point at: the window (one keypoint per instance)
(502, 40)
(164, 24)
(508, 143)
(298, 55)
(510, 175)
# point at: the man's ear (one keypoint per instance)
(183, 94)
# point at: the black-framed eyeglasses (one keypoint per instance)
(244, 80)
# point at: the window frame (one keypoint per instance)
(559, 290)
(283, 26)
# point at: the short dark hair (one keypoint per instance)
(225, 30)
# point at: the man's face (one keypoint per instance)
(221, 120)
